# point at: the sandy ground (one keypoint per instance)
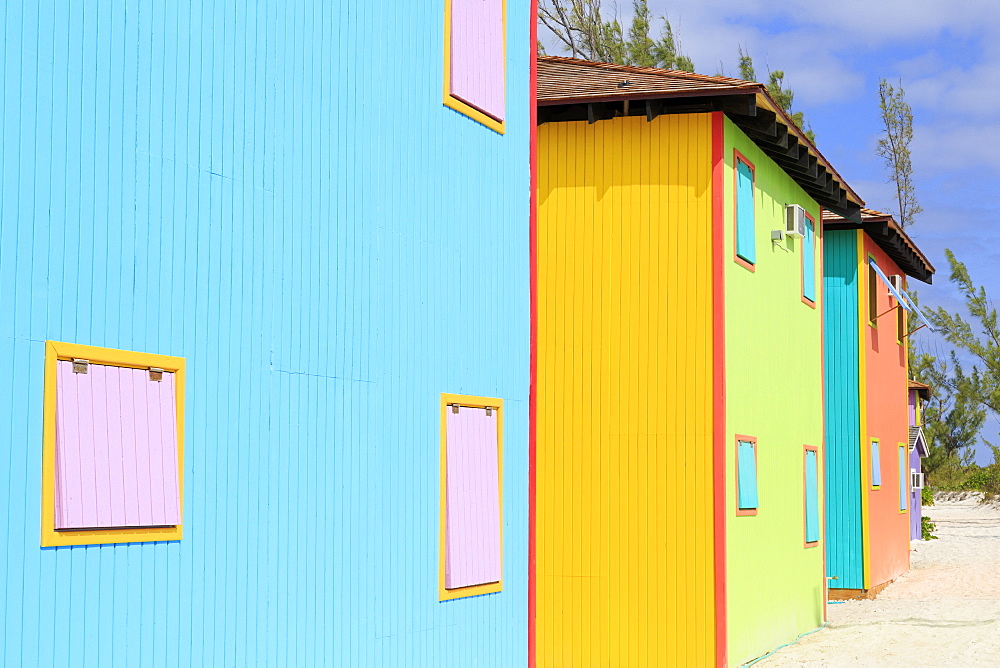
(944, 612)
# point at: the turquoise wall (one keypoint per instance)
(844, 556)
(275, 192)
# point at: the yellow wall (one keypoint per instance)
(624, 443)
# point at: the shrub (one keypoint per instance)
(926, 497)
(927, 527)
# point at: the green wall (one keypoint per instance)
(774, 389)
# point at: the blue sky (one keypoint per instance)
(947, 55)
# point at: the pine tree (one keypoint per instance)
(894, 148)
(581, 29)
(776, 87)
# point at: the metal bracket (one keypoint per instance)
(489, 411)
(454, 408)
(155, 374)
(80, 366)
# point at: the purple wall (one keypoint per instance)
(916, 512)
(913, 406)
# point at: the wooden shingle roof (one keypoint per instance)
(564, 79)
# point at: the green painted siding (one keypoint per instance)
(774, 393)
(843, 416)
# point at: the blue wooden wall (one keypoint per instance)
(274, 191)
(844, 556)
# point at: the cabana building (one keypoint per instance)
(679, 436)
(265, 333)
(868, 319)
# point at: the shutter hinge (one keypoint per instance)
(489, 411)
(155, 374)
(454, 408)
(80, 366)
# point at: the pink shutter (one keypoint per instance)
(116, 448)
(472, 526)
(477, 54)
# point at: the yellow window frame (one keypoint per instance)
(58, 350)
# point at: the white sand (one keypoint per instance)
(944, 612)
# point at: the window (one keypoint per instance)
(872, 296)
(474, 60)
(471, 465)
(746, 250)
(113, 446)
(746, 475)
(809, 262)
(903, 469)
(876, 465)
(811, 496)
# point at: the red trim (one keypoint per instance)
(746, 512)
(737, 156)
(805, 460)
(533, 287)
(719, 379)
(802, 266)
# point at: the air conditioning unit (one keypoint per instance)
(795, 221)
(897, 282)
(916, 480)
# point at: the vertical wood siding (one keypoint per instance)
(886, 419)
(774, 387)
(844, 547)
(624, 522)
(271, 192)
(116, 448)
(472, 535)
(477, 54)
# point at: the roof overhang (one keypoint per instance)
(891, 238)
(593, 92)
(923, 390)
(918, 442)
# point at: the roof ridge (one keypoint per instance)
(656, 71)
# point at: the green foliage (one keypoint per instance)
(981, 479)
(953, 416)
(747, 72)
(581, 28)
(776, 87)
(927, 527)
(948, 475)
(978, 335)
(894, 148)
(926, 496)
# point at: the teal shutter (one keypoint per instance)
(747, 475)
(809, 262)
(812, 497)
(745, 247)
(876, 466)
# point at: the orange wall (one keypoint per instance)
(886, 408)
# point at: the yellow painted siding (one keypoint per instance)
(624, 443)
